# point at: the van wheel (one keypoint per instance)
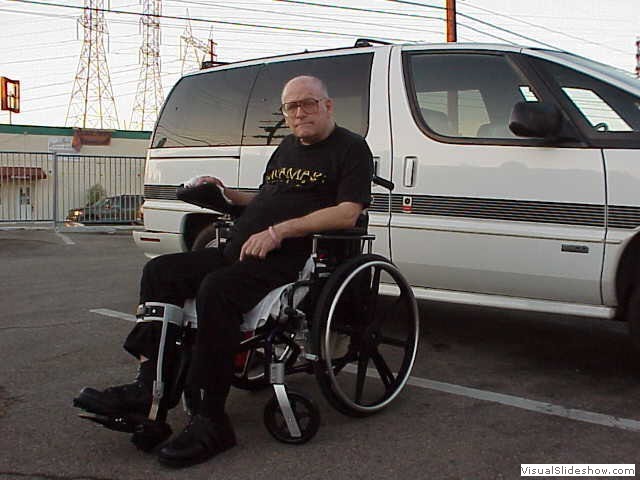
(633, 315)
(207, 238)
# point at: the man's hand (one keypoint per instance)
(206, 179)
(260, 244)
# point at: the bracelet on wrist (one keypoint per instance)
(274, 236)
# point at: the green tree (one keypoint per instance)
(94, 193)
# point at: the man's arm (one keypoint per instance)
(344, 215)
(235, 196)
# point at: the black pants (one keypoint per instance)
(223, 290)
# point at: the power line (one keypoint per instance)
(402, 14)
(482, 22)
(356, 9)
(39, 59)
(542, 27)
(48, 85)
(165, 75)
(37, 14)
(205, 20)
(299, 15)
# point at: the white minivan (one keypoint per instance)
(546, 220)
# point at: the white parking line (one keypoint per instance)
(65, 239)
(526, 404)
(501, 398)
(114, 314)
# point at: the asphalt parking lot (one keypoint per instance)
(490, 390)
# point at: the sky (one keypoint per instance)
(40, 45)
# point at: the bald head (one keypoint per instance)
(308, 82)
(308, 108)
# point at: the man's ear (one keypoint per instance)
(329, 105)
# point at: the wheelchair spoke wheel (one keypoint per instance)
(305, 412)
(365, 332)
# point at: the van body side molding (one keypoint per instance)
(512, 303)
(535, 211)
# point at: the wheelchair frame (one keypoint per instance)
(289, 347)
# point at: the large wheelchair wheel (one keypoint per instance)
(207, 238)
(365, 333)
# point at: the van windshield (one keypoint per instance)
(620, 75)
(606, 108)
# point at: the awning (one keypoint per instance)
(22, 173)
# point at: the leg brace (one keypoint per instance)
(165, 313)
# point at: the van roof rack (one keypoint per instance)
(368, 42)
(211, 63)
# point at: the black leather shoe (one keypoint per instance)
(122, 399)
(202, 439)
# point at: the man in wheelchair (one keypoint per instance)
(318, 179)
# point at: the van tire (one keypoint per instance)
(207, 238)
(633, 315)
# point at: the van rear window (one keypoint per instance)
(206, 109)
(347, 78)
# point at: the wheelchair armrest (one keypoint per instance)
(358, 231)
(208, 195)
(345, 234)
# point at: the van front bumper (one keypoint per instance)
(158, 243)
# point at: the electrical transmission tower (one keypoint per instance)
(149, 94)
(92, 104)
(194, 51)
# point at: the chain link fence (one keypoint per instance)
(74, 189)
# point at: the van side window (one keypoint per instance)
(347, 79)
(465, 95)
(205, 109)
(604, 107)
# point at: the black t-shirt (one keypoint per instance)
(300, 179)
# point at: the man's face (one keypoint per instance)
(313, 123)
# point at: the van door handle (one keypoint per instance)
(409, 179)
(376, 161)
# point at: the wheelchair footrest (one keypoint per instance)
(147, 434)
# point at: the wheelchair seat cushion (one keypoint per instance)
(271, 306)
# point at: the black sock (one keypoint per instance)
(210, 405)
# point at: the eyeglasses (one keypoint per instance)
(308, 106)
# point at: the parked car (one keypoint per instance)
(516, 169)
(110, 210)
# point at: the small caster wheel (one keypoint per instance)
(306, 413)
(149, 435)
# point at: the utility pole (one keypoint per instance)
(149, 94)
(452, 35)
(92, 104)
(638, 58)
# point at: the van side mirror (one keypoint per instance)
(535, 119)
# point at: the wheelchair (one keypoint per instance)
(350, 319)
